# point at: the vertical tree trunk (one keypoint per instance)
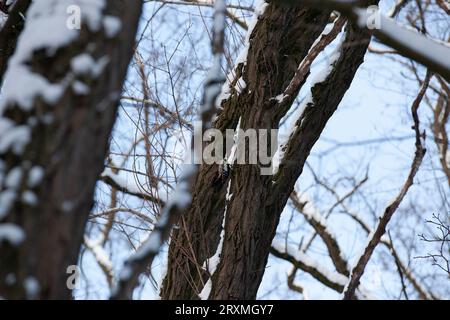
(54, 136)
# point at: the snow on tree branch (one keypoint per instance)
(45, 30)
(101, 256)
(321, 77)
(409, 43)
(129, 187)
(57, 109)
(181, 197)
(211, 264)
(234, 84)
(304, 205)
(327, 36)
(375, 237)
(333, 280)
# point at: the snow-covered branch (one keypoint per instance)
(320, 226)
(407, 42)
(303, 70)
(57, 109)
(279, 158)
(333, 280)
(182, 195)
(101, 256)
(211, 264)
(235, 83)
(129, 187)
(375, 237)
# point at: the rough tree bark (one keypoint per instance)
(278, 43)
(68, 140)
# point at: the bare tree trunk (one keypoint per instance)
(281, 39)
(272, 59)
(57, 168)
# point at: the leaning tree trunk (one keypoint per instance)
(59, 104)
(280, 40)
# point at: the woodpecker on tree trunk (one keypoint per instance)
(222, 174)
